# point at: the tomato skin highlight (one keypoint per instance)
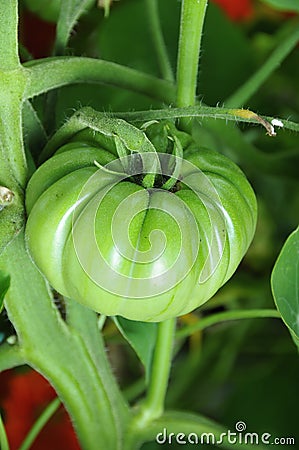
(146, 254)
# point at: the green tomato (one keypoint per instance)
(145, 253)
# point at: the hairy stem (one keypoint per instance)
(154, 403)
(9, 57)
(61, 354)
(158, 40)
(227, 316)
(243, 94)
(11, 140)
(12, 82)
(62, 71)
(192, 20)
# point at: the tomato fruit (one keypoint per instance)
(108, 240)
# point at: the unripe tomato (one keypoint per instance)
(148, 253)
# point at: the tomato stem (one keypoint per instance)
(192, 20)
(9, 57)
(13, 83)
(66, 70)
(154, 403)
(158, 40)
(225, 316)
(62, 353)
(254, 83)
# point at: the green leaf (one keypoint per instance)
(285, 284)
(68, 16)
(4, 285)
(141, 336)
(283, 5)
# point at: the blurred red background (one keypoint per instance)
(24, 394)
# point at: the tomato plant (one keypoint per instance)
(148, 210)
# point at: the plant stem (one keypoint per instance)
(61, 354)
(10, 356)
(12, 81)
(11, 140)
(85, 322)
(243, 94)
(9, 57)
(227, 316)
(158, 40)
(40, 423)
(153, 405)
(62, 71)
(134, 390)
(192, 20)
(227, 114)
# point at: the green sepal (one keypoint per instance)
(141, 336)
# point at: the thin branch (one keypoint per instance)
(63, 71)
(227, 316)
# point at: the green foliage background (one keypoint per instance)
(244, 370)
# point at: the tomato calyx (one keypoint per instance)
(166, 138)
(147, 167)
